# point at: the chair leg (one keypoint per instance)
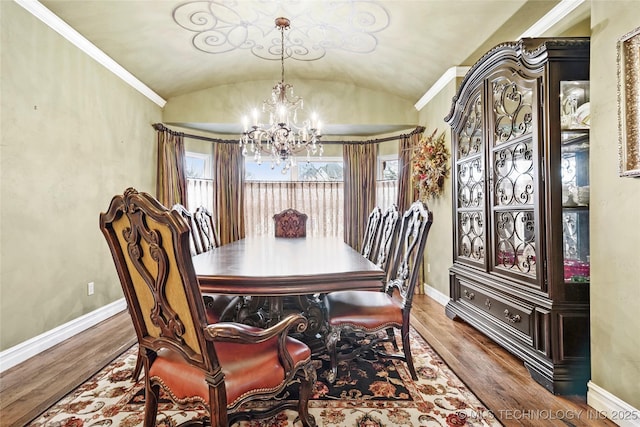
(138, 369)
(406, 347)
(307, 382)
(392, 336)
(331, 343)
(152, 395)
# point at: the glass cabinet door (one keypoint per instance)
(514, 177)
(470, 186)
(575, 122)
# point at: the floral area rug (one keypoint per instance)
(368, 393)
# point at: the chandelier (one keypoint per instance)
(282, 136)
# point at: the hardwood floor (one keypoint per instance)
(499, 379)
(28, 389)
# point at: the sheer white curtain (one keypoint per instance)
(386, 193)
(323, 202)
(199, 193)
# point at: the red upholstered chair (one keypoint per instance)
(370, 312)
(221, 366)
(370, 233)
(290, 223)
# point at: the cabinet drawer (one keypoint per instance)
(499, 307)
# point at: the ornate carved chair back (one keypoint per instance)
(370, 233)
(409, 249)
(387, 236)
(194, 239)
(150, 248)
(181, 353)
(206, 229)
(371, 312)
(290, 223)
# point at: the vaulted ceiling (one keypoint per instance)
(403, 47)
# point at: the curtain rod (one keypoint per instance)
(163, 128)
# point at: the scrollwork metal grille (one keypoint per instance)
(516, 241)
(471, 235)
(514, 175)
(470, 183)
(512, 108)
(470, 139)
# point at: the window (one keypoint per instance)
(314, 187)
(264, 172)
(199, 175)
(387, 186)
(388, 167)
(197, 165)
(318, 170)
(321, 171)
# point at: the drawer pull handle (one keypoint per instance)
(512, 318)
(469, 295)
(488, 303)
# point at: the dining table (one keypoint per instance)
(276, 274)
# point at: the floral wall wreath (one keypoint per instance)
(430, 167)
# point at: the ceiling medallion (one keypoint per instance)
(223, 26)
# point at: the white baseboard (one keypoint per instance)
(441, 298)
(27, 349)
(606, 404)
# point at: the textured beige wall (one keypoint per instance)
(72, 136)
(438, 254)
(615, 202)
(335, 103)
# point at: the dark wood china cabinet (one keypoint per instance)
(520, 160)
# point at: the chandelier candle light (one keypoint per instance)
(282, 137)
